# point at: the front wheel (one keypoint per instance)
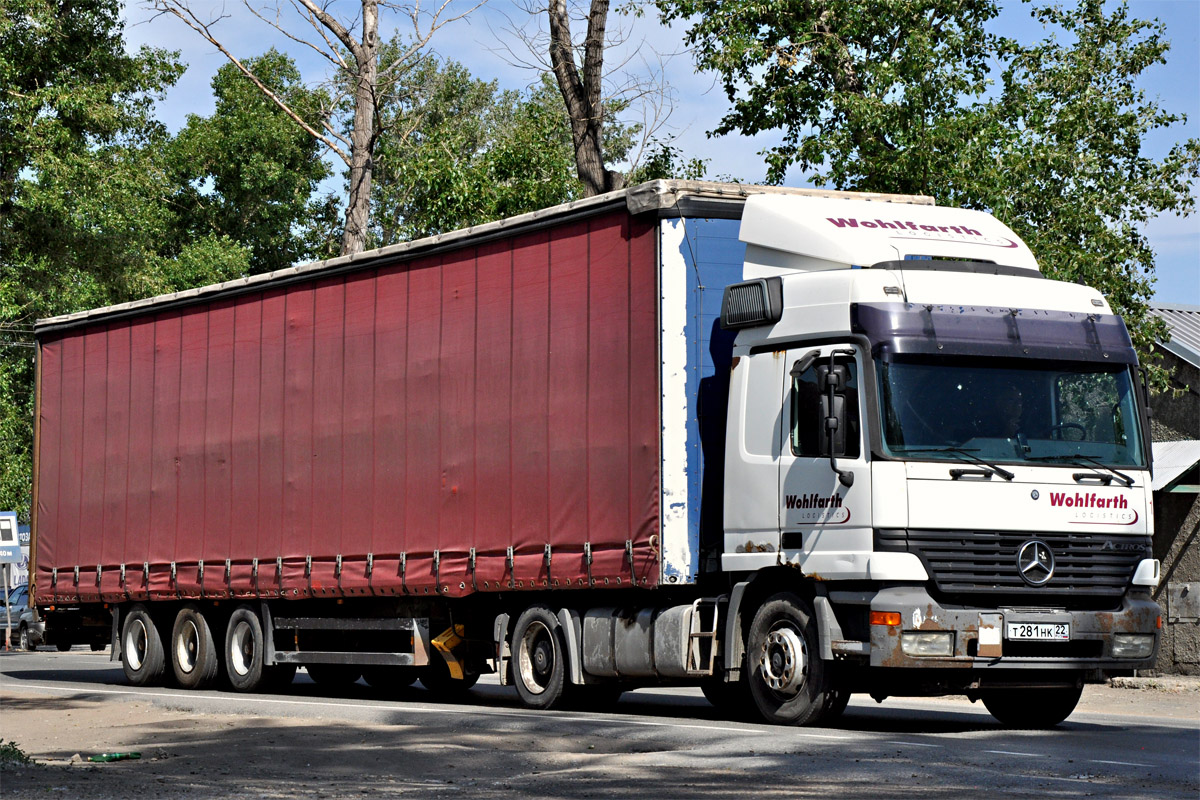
(539, 664)
(23, 641)
(1031, 708)
(62, 647)
(786, 675)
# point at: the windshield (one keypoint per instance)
(1009, 411)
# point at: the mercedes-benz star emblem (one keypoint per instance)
(1035, 562)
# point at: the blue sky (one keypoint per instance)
(698, 102)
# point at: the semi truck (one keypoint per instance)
(786, 445)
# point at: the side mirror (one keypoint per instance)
(832, 378)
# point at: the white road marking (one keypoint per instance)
(915, 744)
(1121, 763)
(1011, 753)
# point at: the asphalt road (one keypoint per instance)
(655, 744)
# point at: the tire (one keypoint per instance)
(437, 679)
(96, 647)
(142, 656)
(244, 651)
(23, 641)
(786, 675)
(278, 677)
(62, 647)
(835, 704)
(333, 676)
(390, 680)
(193, 650)
(731, 699)
(539, 658)
(1031, 708)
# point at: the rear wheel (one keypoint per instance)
(731, 698)
(62, 647)
(1031, 708)
(142, 655)
(193, 650)
(835, 704)
(539, 668)
(786, 675)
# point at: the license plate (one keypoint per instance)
(1040, 631)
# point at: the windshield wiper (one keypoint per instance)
(1080, 460)
(959, 451)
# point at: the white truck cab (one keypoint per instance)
(950, 448)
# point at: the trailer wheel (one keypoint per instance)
(539, 656)
(389, 679)
(244, 650)
(278, 676)
(333, 676)
(437, 678)
(142, 656)
(193, 651)
(1031, 708)
(786, 676)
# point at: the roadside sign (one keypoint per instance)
(10, 547)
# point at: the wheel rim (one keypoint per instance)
(241, 651)
(783, 661)
(187, 646)
(536, 658)
(136, 643)
(23, 639)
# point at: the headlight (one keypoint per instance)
(1132, 645)
(927, 643)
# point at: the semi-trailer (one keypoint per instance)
(784, 444)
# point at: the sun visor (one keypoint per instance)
(788, 234)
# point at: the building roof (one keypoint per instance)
(1172, 460)
(1184, 322)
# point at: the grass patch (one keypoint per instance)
(11, 755)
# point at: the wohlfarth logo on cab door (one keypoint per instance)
(816, 509)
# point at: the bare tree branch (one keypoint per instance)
(184, 13)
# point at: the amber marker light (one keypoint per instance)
(1158, 622)
(889, 618)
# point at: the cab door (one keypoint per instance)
(825, 515)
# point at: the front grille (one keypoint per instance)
(970, 563)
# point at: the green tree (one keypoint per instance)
(250, 173)
(898, 97)
(79, 205)
(462, 152)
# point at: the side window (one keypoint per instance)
(810, 406)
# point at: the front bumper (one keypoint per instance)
(1089, 648)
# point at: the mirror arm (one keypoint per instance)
(845, 477)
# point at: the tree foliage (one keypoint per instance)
(100, 205)
(248, 172)
(916, 96)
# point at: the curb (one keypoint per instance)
(1171, 683)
